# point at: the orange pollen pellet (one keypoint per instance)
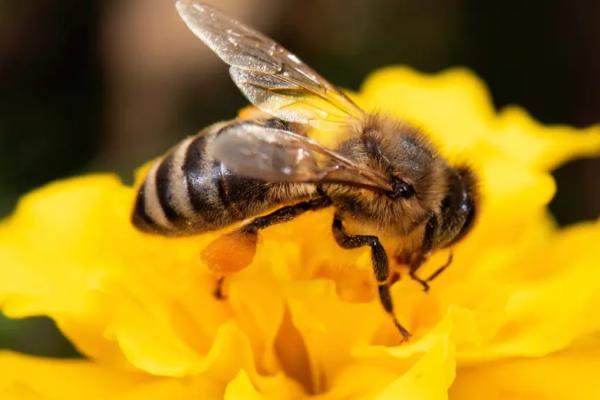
(230, 253)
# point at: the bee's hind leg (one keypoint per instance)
(285, 214)
(380, 266)
(235, 250)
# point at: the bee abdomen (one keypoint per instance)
(163, 203)
(218, 196)
(188, 191)
(202, 179)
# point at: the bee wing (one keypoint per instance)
(271, 77)
(254, 150)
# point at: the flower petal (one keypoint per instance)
(568, 374)
(545, 310)
(39, 378)
(104, 282)
(543, 147)
(241, 388)
(429, 378)
(531, 306)
(421, 369)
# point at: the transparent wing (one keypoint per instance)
(271, 77)
(257, 151)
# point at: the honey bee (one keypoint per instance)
(382, 175)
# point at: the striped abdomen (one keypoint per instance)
(188, 191)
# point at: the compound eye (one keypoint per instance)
(402, 190)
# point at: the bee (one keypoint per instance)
(381, 174)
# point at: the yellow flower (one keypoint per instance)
(514, 317)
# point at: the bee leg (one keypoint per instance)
(425, 282)
(394, 277)
(285, 214)
(414, 266)
(421, 257)
(234, 251)
(440, 269)
(380, 266)
(219, 293)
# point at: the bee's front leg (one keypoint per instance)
(380, 265)
(421, 257)
(414, 266)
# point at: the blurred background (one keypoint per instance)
(106, 85)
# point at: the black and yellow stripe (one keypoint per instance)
(188, 191)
